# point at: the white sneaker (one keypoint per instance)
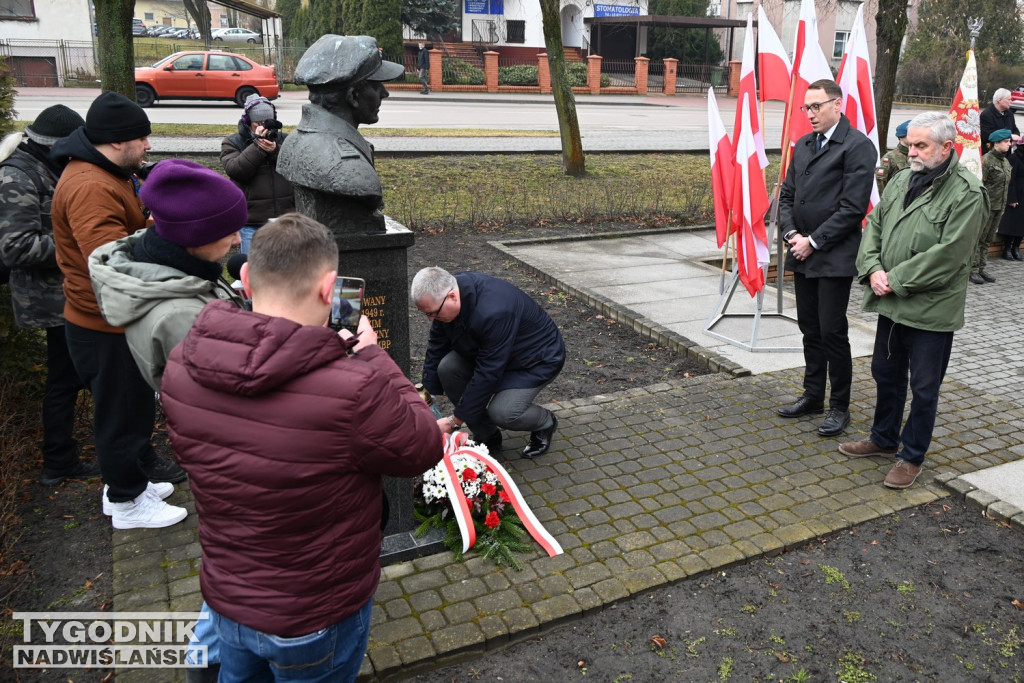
(145, 512)
(158, 491)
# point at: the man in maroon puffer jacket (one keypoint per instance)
(285, 433)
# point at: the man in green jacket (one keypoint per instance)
(995, 175)
(915, 256)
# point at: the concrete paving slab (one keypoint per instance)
(1005, 482)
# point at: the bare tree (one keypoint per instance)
(565, 104)
(200, 13)
(117, 47)
(891, 25)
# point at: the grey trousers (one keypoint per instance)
(511, 409)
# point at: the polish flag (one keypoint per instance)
(751, 198)
(967, 118)
(748, 86)
(722, 168)
(774, 67)
(809, 65)
(858, 95)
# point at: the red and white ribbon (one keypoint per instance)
(454, 445)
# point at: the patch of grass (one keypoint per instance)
(801, 676)
(725, 669)
(906, 588)
(851, 617)
(851, 669)
(1011, 643)
(68, 526)
(691, 647)
(833, 575)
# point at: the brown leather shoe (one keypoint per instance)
(902, 475)
(864, 449)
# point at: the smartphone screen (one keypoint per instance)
(347, 303)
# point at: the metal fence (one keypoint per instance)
(697, 78)
(50, 63)
(621, 73)
(518, 71)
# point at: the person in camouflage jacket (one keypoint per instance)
(895, 160)
(995, 176)
(28, 177)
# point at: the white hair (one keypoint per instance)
(1000, 94)
(940, 126)
(433, 283)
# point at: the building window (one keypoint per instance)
(515, 30)
(148, 16)
(839, 48)
(17, 9)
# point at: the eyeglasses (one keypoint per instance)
(436, 313)
(815, 107)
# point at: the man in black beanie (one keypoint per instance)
(28, 177)
(96, 202)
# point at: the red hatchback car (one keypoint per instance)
(201, 75)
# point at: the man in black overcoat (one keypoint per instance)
(996, 116)
(822, 205)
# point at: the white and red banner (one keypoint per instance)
(774, 67)
(722, 168)
(809, 65)
(858, 94)
(749, 206)
(967, 118)
(456, 445)
(748, 94)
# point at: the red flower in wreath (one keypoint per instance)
(469, 474)
(492, 519)
(504, 497)
(489, 489)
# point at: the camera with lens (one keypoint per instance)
(273, 130)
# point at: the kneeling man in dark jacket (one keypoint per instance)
(491, 350)
(286, 428)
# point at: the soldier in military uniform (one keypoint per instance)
(995, 176)
(895, 160)
(327, 160)
(27, 181)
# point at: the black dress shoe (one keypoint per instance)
(81, 470)
(986, 277)
(803, 406)
(835, 423)
(1007, 255)
(540, 441)
(493, 442)
(1015, 253)
(162, 470)
(976, 279)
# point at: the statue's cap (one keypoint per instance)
(344, 60)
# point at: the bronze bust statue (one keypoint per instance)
(327, 160)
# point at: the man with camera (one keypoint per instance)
(286, 429)
(250, 159)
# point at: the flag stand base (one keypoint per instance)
(726, 292)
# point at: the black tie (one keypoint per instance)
(821, 142)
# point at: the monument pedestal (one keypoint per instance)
(381, 259)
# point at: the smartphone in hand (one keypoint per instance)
(347, 303)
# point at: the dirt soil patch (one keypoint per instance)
(930, 592)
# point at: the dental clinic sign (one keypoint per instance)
(601, 10)
(137, 640)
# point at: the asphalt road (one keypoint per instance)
(614, 122)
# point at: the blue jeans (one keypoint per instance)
(331, 654)
(901, 351)
(246, 233)
(205, 634)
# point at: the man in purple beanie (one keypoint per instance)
(154, 283)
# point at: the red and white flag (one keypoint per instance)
(858, 95)
(967, 118)
(749, 206)
(774, 67)
(723, 165)
(748, 86)
(809, 65)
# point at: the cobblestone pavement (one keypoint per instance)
(652, 485)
